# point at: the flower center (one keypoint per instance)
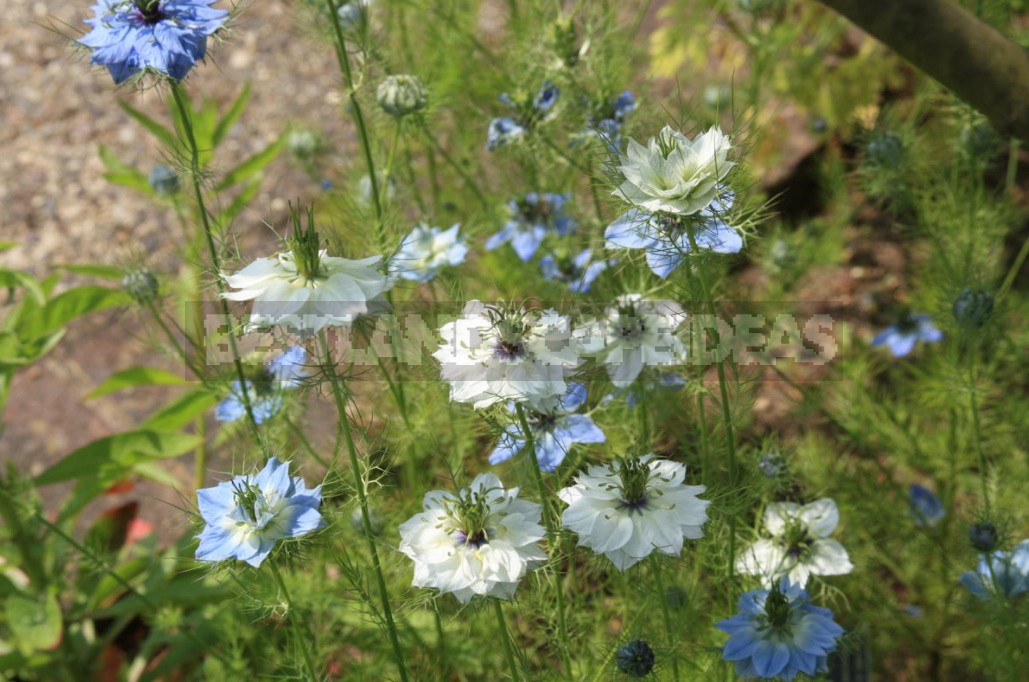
(635, 477)
(510, 338)
(540, 421)
(777, 608)
(797, 540)
(629, 324)
(263, 382)
(254, 506)
(539, 212)
(471, 513)
(304, 245)
(149, 10)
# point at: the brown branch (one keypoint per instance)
(949, 44)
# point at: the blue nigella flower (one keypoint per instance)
(666, 239)
(607, 124)
(926, 507)
(265, 391)
(531, 219)
(246, 516)
(578, 272)
(901, 337)
(1005, 574)
(779, 633)
(639, 390)
(555, 429)
(426, 250)
(635, 658)
(528, 112)
(164, 36)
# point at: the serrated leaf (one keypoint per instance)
(231, 116)
(34, 621)
(137, 376)
(111, 457)
(180, 411)
(252, 165)
(166, 137)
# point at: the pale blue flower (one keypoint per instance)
(779, 633)
(265, 391)
(607, 123)
(532, 218)
(527, 113)
(426, 251)
(1005, 574)
(578, 272)
(555, 428)
(901, 337)
(666, 238)
(637, 392)
(163, 36)
(503, 130)
(246, 516)
(926, 507)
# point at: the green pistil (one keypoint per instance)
(797, 540)
(471, 512)
(150, 9)
(777, 608)
(305, 246)
(246, 497)
(635, 478)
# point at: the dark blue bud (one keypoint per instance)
(972, 308)
(635, 658)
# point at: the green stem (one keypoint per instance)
(705, 450)
(369, 534)
(508, 646)
(465, 175)
(553, 536)
(977, 431)
(186, 115)
(362, 129)
(294, 625)
(669, 625)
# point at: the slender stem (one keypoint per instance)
(441, 639)
(465, 175)
(977, 430)
(705, 450)
(186, 115)
(669, 626)
(362, 129)
(369, 534)
(553, 536)
(294, 625)
(508, 645)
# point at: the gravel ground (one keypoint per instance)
(55, 110)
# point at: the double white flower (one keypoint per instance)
(480, 541)
(329, 291)
(634, 332)
(628, 509)
(799, 546)
(489, 355)
(674, 174)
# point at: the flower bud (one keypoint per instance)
(163, 179)
(401, 95)
(635, 658)
(302, 143)
(772, 464)
(886, 150)
(973, 308)
(983, 536)
(141, 285)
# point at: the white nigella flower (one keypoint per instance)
(306, 289)
(674, 174)
(426, 250)
(627, 509)
(489, 355)
(480, 541)
(634, 332)
(799, 546)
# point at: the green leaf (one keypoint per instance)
(111, 272)
(232, 116)
(17, 278)
(34, 621)
(137, 376)
(180, 411)
(253, 165)
(225, 217)
(111, 457)
(183, 590)
(65, 307)
(166, 137)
